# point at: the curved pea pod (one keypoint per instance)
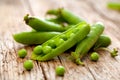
(43, 25)
(63, 42)
(103, 41)
(68, 16)
(30, 38)
(86, 44)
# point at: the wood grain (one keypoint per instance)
(11, 21)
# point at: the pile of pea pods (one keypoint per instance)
(55, 35)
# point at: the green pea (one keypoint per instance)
(52, 43)
(64, 37)
(28, 64)
(59, 42)
(22, 53)
(94, 56)
(37, 50)
(60, 70)
(72, 34)
(47, 49)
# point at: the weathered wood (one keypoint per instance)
(11, 21)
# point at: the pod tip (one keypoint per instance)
(26, 18)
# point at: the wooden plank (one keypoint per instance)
(11, 21)
(92, 11)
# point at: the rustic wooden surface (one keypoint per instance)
(11, 21)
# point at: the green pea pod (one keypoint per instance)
(58, 20)
(85, 45)
(114, 5)
(62, 42)
(103, 41)
(43, 25)
(68, 16)
(54, 12)
(30, 38)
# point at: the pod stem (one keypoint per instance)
(113, 52)
(75, 58)
(26, 18)
(79, 62)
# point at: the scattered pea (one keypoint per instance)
(28, 64)
(22, 53)
(60, 70)
(94, 56)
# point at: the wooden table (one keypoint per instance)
(11, 21)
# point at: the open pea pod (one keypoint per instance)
(62, 42)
